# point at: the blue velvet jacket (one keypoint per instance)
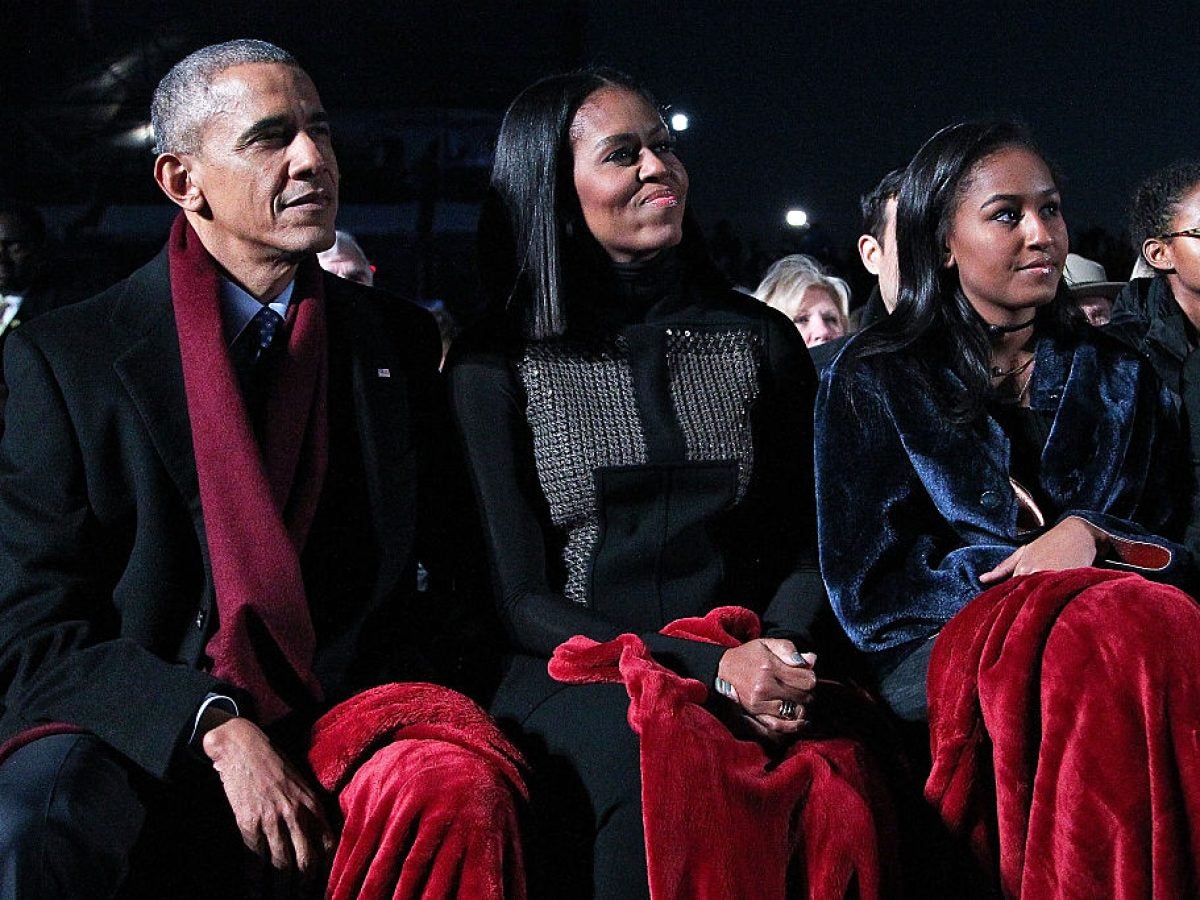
(913, 508)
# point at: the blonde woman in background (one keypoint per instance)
(816, 302)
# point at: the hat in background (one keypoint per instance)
(1086, 278)
(1142, 269)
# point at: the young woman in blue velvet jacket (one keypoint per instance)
(989, 432)
(978, 435)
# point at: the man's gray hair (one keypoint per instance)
(183, 99)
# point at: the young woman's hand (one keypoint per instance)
(772, 682)
(1071, 544)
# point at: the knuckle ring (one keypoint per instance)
(787, 709)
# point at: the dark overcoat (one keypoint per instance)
(106, 593)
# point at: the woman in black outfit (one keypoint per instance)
(640, 441)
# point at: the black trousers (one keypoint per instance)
(586, 785)
(78, 821)
(69, 818)
(903, 687)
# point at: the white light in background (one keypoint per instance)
(679, 122)
(797, 218)
(139, 137)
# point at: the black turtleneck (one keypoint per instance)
(615, 294)
(648, 280)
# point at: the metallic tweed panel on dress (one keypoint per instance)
(714, 384)
(582, 413)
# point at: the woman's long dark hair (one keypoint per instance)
(933, 322)
(532, 236)
(532, 199)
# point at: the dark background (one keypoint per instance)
(792, 104)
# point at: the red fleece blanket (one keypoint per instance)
(726, 817)
(352, 731)
(428, 789)
(427, 786)
(1064, 712)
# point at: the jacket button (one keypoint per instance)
(990, 500)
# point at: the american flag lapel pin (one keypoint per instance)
(384, 373)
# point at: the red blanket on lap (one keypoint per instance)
(427, 786)
(1064, 712)
(724, 817)
(352, 731)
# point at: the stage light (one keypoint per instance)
(140, 137)
(679, 121)
(797, 218)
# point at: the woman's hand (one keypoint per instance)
(1071, 544)
(769, 678)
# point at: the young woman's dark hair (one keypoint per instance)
(531, 230)
(933, 321)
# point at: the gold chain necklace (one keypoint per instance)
(998, 372)
(1014, 374)
(1024, 392)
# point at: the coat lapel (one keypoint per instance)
(1085, 461)
(149, 367)
(978, 497)
(1084, 464)
(379, 410)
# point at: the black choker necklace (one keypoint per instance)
(995, 331)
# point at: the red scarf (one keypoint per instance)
(258, 505)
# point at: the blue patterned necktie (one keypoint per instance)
(252, 356)
(266, 322)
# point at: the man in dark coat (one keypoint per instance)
(214, 491)
(23, 250)
(27, 288)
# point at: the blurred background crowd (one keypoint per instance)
(792, 112)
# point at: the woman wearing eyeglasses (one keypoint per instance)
(996, 553)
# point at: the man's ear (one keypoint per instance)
(869, 252)
(1158, 253)
(174, 176)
